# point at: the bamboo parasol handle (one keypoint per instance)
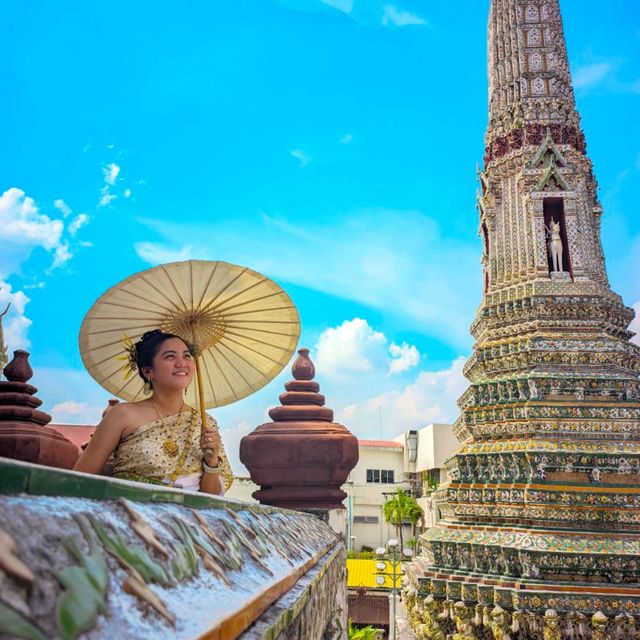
(203, 414)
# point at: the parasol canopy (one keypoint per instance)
(244, 327)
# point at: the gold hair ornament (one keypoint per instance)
(128, 358)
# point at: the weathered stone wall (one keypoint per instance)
(94, 557)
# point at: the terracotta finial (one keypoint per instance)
(302, 458)
(112, 403)
(19, 369)
(303, 368)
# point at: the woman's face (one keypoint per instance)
(172, 366)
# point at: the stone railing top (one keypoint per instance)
(91, 555)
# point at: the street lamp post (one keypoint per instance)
(390, 566)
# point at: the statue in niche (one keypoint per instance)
(555, 245)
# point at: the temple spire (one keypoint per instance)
(529, 76)
(550, 424)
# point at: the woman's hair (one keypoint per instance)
(148, 346)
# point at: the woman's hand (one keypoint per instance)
(210, 445)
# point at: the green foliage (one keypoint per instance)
(15, 624)
(364, 547)
(402, 508)
(429, 482)
(364, 633)
(360, 555)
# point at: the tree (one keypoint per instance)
(365, 633)
(402, 508)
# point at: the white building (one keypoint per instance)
(385, 466)
(406, 462)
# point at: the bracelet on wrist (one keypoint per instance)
(209, 469)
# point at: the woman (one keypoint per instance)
(159, 439)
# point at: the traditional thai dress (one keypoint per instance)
(167, 451)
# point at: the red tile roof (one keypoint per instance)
(390, 444)
(76, 433)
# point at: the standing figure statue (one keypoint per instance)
(551, 629)
(555, 245)
(499, 624)
(3, 347)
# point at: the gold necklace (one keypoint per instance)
(187, 444)
(169, 446)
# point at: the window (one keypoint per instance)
(373, 475)
(366, 519)
(384, 476)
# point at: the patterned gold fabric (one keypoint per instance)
(155, 452)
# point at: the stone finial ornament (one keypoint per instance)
(302, 458)
(23, 431)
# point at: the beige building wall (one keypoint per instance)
(436, 443)
(365, 499)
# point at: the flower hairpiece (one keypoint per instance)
(128, 358)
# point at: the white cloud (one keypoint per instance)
(346, 6)
(231, 437)
(61, 256)
(127, 193)
(635, 324)
(22, 223)
(62, 206)
(303, 158)
(403, 356)
(353, 347)
(25, 228)
(79, 221)
(590, 75)
(69, 408)
(105, 197)
(431, 397)
(111, 172)
(346, 139)
(15, 323)
(394, 16)
(155, 253)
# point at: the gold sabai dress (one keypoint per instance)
(167, 451)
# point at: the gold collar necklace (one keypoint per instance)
(169, 446)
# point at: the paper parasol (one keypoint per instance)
(244, 326)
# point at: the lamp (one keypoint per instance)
(391, 567)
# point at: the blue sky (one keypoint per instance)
(330, 145)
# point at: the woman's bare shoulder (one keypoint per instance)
(127, 412)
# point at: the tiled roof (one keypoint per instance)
(386, 444)
(76, 433)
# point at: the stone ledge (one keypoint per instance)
(133, 561)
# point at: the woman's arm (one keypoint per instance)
(103, 442)
(212, 483)
(211, 445)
